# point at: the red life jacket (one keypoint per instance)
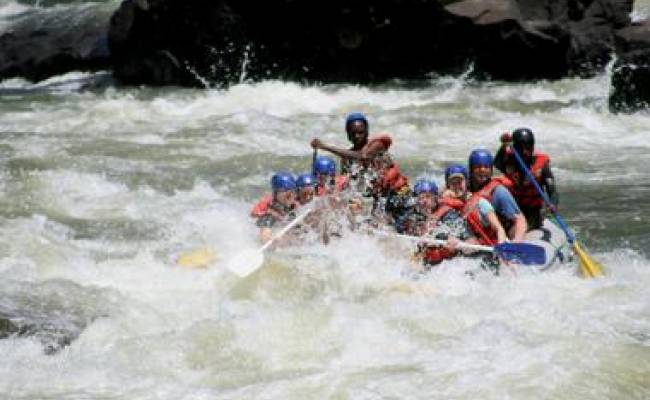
(523, 190)
(341, 182)
(432, 255)
(444, 206)
(486, 235)
(393, 179)
(267, 206)
(386, 142)
(279, 211)
(262, 206)
(390, 176)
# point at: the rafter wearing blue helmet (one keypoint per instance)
(496, 192)
(281, 182)
(365, 150)
(282, 206)
(324, 165)
(306, 184)
(327, 180)
(455, 171)
(456, 178)
(425, 186)
(426, 193)
(480, 164)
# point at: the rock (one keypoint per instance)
(44, 42)
(225, 42)
(507, 46)
(630, 90)
(54, 313)
(163, 42)
(173, 42)
(219, 42)
(592, 25)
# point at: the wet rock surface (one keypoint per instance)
(54, 313)
(171, 42)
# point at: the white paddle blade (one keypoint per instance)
(246, 262)
(197, 259)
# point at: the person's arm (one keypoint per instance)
(338, 151)
(519, 228)
(376, 146)
(548, 184)
(265, 223)
(487, 212)
(500, 157)
(505, 205)
(497, 227)
(367, 153)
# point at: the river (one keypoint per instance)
(102, 189)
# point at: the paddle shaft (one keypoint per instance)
(544, 196)
(288, 227)
(460, 245)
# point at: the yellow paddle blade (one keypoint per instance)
(197, 259)
(588, 266)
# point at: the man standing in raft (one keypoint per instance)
(524, 192)
(371, 169)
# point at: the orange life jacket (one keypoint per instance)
(393, 179)
(433, 255)
(523, 190)
(390, 176)
(267, 206)
(262, 206)
(279, 211)
(445, 205)
(486, 235)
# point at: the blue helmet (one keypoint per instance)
(324, 165)
(480, 157)
(424, 186)
(455, 170)
(355, 116)
(305, 180)
(283, 181)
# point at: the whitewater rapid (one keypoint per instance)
(102, 189)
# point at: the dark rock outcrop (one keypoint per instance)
(54, 313)
(208, 42)
(44, 42)
(504, 44)
(630, 89)
(224, 41)
(592, 24)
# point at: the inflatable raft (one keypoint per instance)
(554, 242)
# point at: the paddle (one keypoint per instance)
(589, 267)
(518, 253)
(249, 261)
(200, 258)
